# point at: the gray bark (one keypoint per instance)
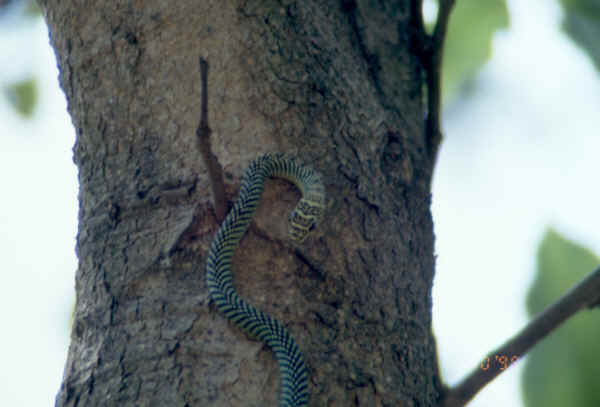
(335, 83)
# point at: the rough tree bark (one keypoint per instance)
(338, 84)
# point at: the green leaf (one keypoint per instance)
(582, 23)
(563, 369)
(469, 41)
(33, 9)
(23, 96)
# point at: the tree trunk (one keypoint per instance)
(337, 84)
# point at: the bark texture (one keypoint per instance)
(337, 84)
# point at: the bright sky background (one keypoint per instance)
(518, 156)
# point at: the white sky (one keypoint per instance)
(517, 157)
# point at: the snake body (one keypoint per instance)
(293, 373)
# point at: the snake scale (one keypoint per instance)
(292, 369)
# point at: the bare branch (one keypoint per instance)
(434, 53)
(215, 172)
(586, 294)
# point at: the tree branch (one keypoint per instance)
(215, 172)
(434, 52)
(586, 294)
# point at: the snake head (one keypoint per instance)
(304, 219)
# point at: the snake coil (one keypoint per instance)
(293, 374)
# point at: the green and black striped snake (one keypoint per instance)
(292, 369)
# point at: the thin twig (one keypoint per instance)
(434, 52)
(586, 294)
(215, 172)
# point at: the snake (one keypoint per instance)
(303, 219)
